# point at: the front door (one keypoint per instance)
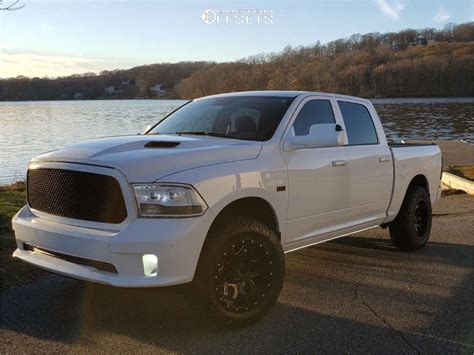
(318, 179)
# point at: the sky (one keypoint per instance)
(57, 38)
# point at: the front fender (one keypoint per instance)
(225, 183)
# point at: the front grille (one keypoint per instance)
(99, 265)
(76, 194)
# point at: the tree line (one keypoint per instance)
(131, 83)
(411, 63)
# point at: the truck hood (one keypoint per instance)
(147, 158)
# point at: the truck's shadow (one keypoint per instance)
(70, 312)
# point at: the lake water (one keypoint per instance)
(30, 128)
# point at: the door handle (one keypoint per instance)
(384, 159)
(336, 163)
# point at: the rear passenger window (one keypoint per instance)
(313, 112)
(360, 128)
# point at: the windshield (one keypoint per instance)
(241, 117)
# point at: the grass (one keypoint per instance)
(466, 172)
(12, 272)
(10, 202)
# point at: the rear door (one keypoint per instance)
(370, 162)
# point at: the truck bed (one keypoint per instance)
(414, 159)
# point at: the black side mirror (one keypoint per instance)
(339, 128)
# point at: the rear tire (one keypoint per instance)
(411, 228)
(241, 270)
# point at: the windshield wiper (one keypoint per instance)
(205, 133)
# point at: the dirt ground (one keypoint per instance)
(455, 152)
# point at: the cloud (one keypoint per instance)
(14, 63)
(46, 27)
(391, 10)
(441, 16)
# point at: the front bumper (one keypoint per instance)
(176, 242)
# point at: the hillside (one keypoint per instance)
(442, 69)
(412, 63)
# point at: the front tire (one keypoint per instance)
(241, 270)
(411, 228)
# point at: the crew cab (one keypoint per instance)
(214, 194)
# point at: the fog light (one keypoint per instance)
(150, 264)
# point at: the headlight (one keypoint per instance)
(156, 200)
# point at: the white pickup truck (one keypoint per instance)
(215, 193)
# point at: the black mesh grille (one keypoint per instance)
(76, 194)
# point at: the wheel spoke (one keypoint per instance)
(421, 219)
(239, 250)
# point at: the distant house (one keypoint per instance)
(109, 90)
(78, 95)
(158, 90)
(125, 82)
(395, 46)
(420, 41)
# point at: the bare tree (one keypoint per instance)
(12, 7)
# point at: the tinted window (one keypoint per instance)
(313, 112)
(241, 117)
(360, 128)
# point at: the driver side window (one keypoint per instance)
(313, 112)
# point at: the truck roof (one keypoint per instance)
(283, 93)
